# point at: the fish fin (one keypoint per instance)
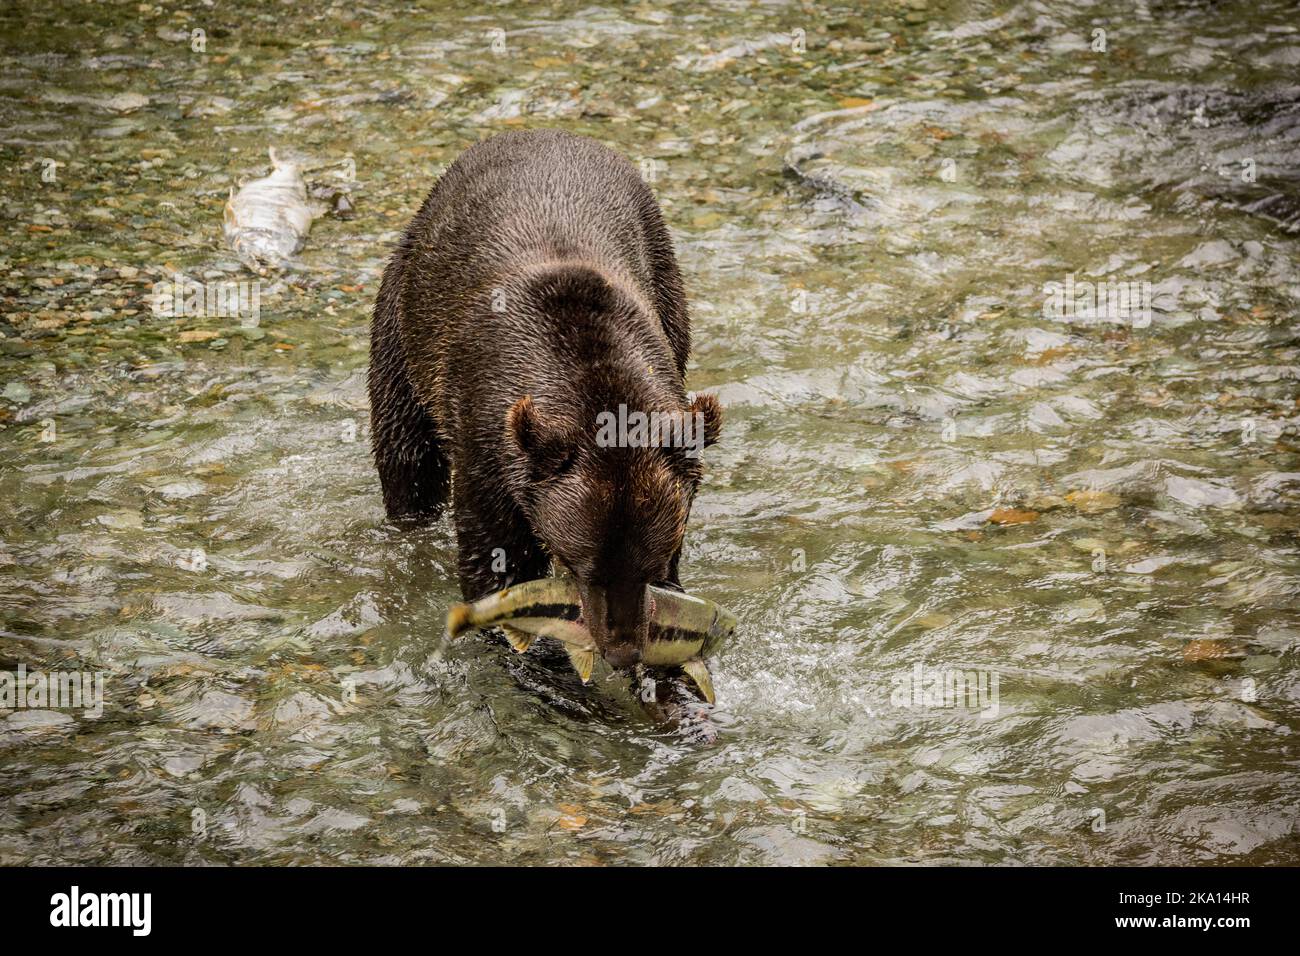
(698, 671)
(275, 160)
(583, 661)
(458, 620)
(519, 640)
(567, 633)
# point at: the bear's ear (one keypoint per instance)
(539, 441)
(710, 409)
(523, 427)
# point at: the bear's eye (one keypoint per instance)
(565, 463)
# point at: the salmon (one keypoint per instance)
(684, 629)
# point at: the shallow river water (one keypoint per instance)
(927, 469)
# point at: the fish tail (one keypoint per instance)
(458, 620)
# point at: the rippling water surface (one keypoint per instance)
(1093, 517)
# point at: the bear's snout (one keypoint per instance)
(623, 656)
(617, 619)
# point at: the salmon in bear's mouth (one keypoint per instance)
(683, 629)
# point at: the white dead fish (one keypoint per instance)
(267, 221)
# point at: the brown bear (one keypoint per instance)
(534, 295)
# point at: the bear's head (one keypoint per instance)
(607, 491)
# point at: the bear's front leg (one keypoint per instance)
(497, 547)
(670, 699)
